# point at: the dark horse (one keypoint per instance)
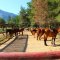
(21, 30)
(10, 32)
(51, 33)
(14, 31)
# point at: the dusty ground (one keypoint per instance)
(35, 45)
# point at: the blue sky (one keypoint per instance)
(13, 6)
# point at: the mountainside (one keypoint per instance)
(5, 15)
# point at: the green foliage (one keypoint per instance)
(30, 13)
(16, 21)
(54, 9)
(13, 21)
(26, 16)
(58, 18)
(2, 22)
(10, 20)
(35, 25)
(24, 19)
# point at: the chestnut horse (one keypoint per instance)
(51, 33)
(40, 32)
(33, 31)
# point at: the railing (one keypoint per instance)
(30, 56)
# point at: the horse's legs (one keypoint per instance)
(53, 41)
(22, 32)
(19, 33)
(6, 35)
(45, 42)
(40, 36)
(37, 36)
(45, 39)
(34, 35)
(15, 33)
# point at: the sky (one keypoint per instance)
(13, 6)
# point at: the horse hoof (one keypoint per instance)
(54, 45)
(46, 45)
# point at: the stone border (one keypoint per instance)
(26, 44)
(7, 43)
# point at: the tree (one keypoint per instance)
(54, 8)
(54, 11)
(2, 22)
(16, 21)
(24, 20)
(11, 22)
(46, 11)
(30, 13)
(40, 11)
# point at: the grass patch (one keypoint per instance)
(3, 39)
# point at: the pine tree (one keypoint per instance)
(54, 12)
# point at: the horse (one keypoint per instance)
(40, 32)
(10, 31)
(51, 33)
(33, 31)
(21, 30)
(14, 31)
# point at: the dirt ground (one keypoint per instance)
(35, 45)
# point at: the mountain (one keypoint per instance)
(5, 15)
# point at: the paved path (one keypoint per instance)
(35, 45)
(18, 45)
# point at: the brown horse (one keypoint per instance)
(51, 33)
(40, 32)
(33, 31)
